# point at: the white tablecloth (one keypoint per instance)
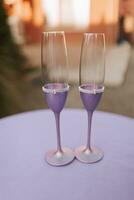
(24, 175)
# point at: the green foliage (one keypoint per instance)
(11, 65)
(10, 55)
(9, 95)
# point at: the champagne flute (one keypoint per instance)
(91, 87)
(55, 87)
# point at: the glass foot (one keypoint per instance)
(88, 156)
(57, 158)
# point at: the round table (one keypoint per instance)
(24, 175)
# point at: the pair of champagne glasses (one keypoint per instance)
(54, 60)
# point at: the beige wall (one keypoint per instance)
(104, 11)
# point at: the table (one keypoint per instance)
(24, 175)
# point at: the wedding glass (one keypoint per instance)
(54, 62)
(91, 87)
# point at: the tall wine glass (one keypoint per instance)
(91, 87)
(55, 87)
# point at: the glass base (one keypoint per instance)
(88, 156)
(57, 158)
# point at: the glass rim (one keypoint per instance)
(53, 32)
(94, 33)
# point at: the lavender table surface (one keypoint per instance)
(24, 175)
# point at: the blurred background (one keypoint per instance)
(21, 25)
